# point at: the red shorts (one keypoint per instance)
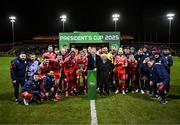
(121, 75)
(78, 74)
(27, 95)
(56, 75)
(69, 75)
(69, 71)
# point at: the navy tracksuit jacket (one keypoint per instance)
(18, 69)
(159, 74)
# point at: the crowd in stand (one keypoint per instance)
(59, 72)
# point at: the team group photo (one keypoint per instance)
(59, 72)
(117, 62)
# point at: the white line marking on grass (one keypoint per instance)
(93, 113)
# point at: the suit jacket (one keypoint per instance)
(92, 64)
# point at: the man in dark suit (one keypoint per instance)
(93, 59)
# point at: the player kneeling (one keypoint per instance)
(49, 88)
(159, 79)
(31, 90)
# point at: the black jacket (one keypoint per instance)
(91, 63)
(104, 70)
(159, 74)
(18, 69)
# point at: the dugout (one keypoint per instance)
(82, 40)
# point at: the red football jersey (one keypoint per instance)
(69, 66)
(120, 63)
(82, 63)
(44, 69)
(132, 66)
(57, 66)
(51, 55)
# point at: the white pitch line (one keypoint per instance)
(93, 113)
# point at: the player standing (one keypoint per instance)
(50, 54)
(45, 67)
(120, 64)
(69, 70)
(82, 63)
(57, 68)
(132, 67)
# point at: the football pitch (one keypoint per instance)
(113, 109)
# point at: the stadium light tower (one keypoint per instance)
(115, 18)
(170, 17)
(63, 19)
(12, 20)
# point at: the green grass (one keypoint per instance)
(140, 109)
(69, 110)
(113, 109)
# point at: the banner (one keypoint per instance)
(113, 38)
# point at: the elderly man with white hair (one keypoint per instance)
(105, 68)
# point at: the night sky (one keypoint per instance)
(42, 17)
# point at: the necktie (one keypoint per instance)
(94, 57)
